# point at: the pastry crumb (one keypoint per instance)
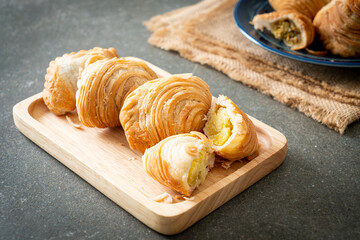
(68, 118)
(163, 198)
(182, 197)
(226, 165)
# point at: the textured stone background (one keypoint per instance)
(315, 194)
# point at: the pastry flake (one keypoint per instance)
(164, 107)
(62, 76)
(294, 29)
(163, 198)
(103, 86)
(172, 164)
(231, 132)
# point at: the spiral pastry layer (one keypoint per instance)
(103, 87)
(180, 162)
(62, 76)
(164, 107)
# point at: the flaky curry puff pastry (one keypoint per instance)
(62, 76)
(294, 29)
(338, 25)
(308, 8)
(103, 86)
(164, 107)
(231, 132)
(180, 162)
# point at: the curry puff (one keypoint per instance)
(294, 29)
(103, 87)
(308, 8)
(338, 25)
(230, 130)
(180, 162)
(62, 76)
(164, 107)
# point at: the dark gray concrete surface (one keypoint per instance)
(315, 194)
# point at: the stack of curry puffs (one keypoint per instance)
(336, 24)
(174, 121)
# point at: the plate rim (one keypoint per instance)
(283, 53)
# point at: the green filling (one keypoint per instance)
(287, 31)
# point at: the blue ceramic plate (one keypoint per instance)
(244, 12)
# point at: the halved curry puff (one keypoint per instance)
(230, 130)
(180, 162)
(293, 28)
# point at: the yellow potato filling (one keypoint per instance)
(197, 172)
(287, 31)
(219, 127)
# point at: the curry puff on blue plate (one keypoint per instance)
(246, 10)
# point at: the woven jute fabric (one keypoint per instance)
(207, 33)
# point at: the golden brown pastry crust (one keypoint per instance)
(164, 107)
(338, 25)
(103, 86)
(62, 75)
(308, 8)
(303, 23)
(243, 141)
(175, 154)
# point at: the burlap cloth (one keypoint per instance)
(207, 33)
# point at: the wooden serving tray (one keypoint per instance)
(103, 158)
